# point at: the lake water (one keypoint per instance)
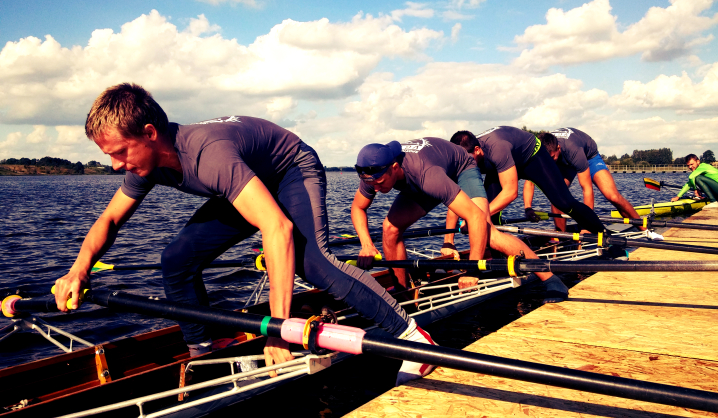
(43, 220)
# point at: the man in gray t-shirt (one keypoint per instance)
(258, 177)
(428, 171)
(576, 154)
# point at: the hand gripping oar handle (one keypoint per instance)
(356, 341)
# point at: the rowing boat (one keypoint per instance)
(679, 207)
(155, 363)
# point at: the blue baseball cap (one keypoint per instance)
(375, 159)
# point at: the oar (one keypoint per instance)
(313, 335)
(603, 239)
(656, 185)
(100, 266)
(410, 233)
(245, 262)
(646, 222)
(517, 266)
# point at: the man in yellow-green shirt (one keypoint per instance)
(703, 177)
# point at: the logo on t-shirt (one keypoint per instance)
(415, 145)
(219, 120)
(488, 131)
(562, 133)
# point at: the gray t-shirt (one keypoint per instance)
(220, 156)
(505, 147)
(576, 148)
(431, 168)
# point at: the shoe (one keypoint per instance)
(654, 236)
(199, 349)
(410, 370)
(711, 205)
(556, 291)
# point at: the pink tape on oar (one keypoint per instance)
(330, 336)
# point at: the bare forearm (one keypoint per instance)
(97, 241)
(451, 220)
(502, 200)
(477, 237)
(361, 226)
(279, 256)
(528, 194)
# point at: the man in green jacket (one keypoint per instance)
(704, 177)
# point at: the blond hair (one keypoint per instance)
(128, 108)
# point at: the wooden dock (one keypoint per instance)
(657, 327)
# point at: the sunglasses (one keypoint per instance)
(369, 171)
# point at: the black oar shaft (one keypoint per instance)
(521, 266)
(651, 223)
(421, 353)
(541, 373)
(610, 240)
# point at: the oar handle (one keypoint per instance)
(80, 299)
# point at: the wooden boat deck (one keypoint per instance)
(658, 327)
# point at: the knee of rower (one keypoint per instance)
(178, 252)
(391, 232)
(613, 196)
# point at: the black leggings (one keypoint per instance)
(301, 194)
(544, 173)
(707, 186)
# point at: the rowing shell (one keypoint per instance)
(678, 207)
(153, 362)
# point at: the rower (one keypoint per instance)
(506, 154)
(257, 176)
(703, 177)
(426, 172)
(577, 155)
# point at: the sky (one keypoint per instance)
(632, 74)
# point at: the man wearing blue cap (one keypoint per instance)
(426, 172)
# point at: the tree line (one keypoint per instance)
(661, 156)
(77, 167)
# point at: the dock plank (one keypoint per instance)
(657, 327)
(451, 393)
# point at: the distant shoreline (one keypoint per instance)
(32, 170)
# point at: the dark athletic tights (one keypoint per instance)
(217, 226)
(707, 186)
(544, 173)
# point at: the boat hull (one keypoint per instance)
(678, 207)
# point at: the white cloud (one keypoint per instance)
(38, 135)
(674, 92)
(196, 73)
(250, 3)
(71, 134)
(590, 33)
(468, 4)
(455, 32)
(13, 139)
(413, 10)
(454, 15)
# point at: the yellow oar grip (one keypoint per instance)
(576, 236)
(510, 265)
(600, 239)
(69, 298)
(377, 257)
(482, 264)
(259, 263)
(645, 222)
